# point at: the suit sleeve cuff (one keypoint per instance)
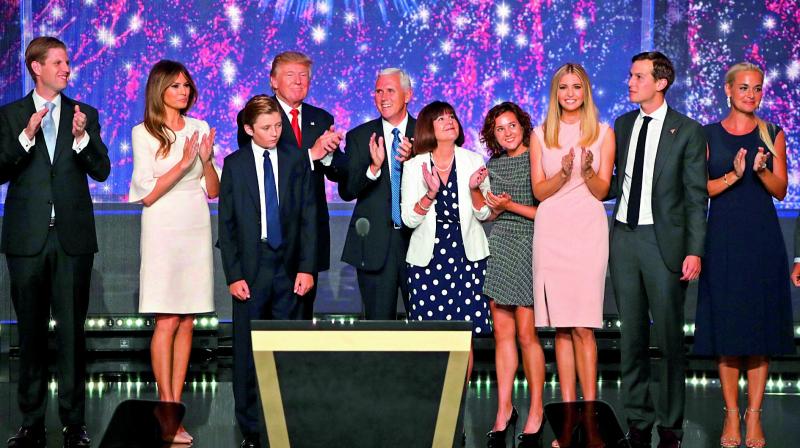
(797, 259)
(80, 146)
(371, 176)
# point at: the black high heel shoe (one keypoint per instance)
(532, 440)
(497, 439)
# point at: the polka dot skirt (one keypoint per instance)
(450, 287)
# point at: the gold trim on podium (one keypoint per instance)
(266, 343)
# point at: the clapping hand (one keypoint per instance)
(498, 203)
(377, 153)
(326, 143)
(739, 162)
(587, 157)
(34, 123)
(191, 147)
(476, 179)
(566, 163)
(432, 181)
(207, 146)
(78, 124)
(404, 150)
(760, 161)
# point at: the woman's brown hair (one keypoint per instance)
(487, 132)
(161, 76)
(424, 136)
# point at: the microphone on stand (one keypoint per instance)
(362, 230)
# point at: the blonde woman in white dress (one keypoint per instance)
(173, 177)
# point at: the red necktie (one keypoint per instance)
(296, 128)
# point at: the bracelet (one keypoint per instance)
(589, 177)
(725, 179)
(419, 203)
(431, 198)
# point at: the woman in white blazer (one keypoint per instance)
(443, 200)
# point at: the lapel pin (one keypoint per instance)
(312, 123)
(672, 131)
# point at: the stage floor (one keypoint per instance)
(210, 418)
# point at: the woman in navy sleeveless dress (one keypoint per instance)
(744, 312)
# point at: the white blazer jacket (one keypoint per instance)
(420, 248)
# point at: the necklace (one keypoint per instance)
(442, 170)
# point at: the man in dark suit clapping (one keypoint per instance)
(375, 154)
(49, 143)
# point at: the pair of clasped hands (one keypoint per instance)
(78, 124)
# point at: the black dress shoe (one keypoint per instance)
(75, 436)
(29, 437)
(534, 439)
(668, 438)
(251, 442)
(639, 438)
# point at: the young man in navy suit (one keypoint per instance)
(49, 143)
(309, 130)
(268, 239)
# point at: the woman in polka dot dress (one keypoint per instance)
(443, 200)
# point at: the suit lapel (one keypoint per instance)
(668, 132)
(64, 138)
(308, 128)
(250, 176)
(287, 134)
(627, 134)
(284, 174)
(28, 108)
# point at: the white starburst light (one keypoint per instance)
(503, 11)
(124, 147)
(461, 21)
(135, 23)
(769, 22)
(237, 100)
(581, 23)
(56, 12)
(423, 14)
(175, 41)
(505, 73)
(725, 26)
(793, 70)
(502, 29)
(521, 40)
(318, 34)
(128, 66)
(228, 71)
(234, 15)
(88, 2)
(191, 30)
(323, 7)
(433, 68)
(105, 36)
(446, 46)
(341, 85)
(349, 18)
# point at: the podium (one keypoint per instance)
(362, 383)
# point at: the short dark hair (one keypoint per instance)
(487, 132)
(37, 51)
(258, 105)
(662, 66)
(424, 136)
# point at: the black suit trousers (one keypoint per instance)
(644, 287)
(379, 288)
(51, 281)
(271, 297)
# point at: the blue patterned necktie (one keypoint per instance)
(274, 232)
(49, 130)
(395, 178)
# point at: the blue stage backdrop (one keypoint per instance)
(471, 53)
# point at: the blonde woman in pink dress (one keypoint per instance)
(571, 163)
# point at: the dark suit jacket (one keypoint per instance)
(680, 195)
(315, 122)
(373, 199)
(797, 237)
(240, 214)
(35, 184)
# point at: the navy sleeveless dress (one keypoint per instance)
(743, 305)
(451, 286)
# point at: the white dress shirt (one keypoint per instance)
(258, 155)
(288, 110)
(388, 137)
(650, 150)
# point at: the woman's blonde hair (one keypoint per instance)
(590, 127)
(162, 75)
(763, 129)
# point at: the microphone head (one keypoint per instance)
(362, 226)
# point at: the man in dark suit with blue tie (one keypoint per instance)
(377, 240)
(49, 143)
(310, 130)
(657, 240)
(268, 238)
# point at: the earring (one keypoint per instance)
(728, 101)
